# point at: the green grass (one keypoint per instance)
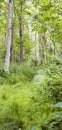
(27, 95)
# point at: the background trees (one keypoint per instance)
(36, 27)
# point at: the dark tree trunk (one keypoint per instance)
(21, 57)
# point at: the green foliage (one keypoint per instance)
(17, 73)
(55, 121)
(31, 97)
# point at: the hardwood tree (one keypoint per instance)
(9, 37)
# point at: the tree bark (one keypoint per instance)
(7, 57)
(21, 35)
(37, 48)
(12, 45)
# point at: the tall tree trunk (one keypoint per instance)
(40, 47)
(45, 44)
(21, 41)
(54, 48)
(21, 34)
(12, 44)
(7, 58)
(37, 43)
(44, 47)
(37, 48)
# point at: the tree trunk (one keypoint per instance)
(37, 48)
(44, 47)
(12, 45)
(21, 35)
(7, 58)
(21, 41)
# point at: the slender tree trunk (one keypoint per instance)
(7, 58)
(45, 43)
(54, 48)
(40, 48)
(44, 46)
(30, 31)
(21, 35)
(37, 48)
(21, 41)
(12, 44)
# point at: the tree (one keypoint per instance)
(21, 32)
(28, 23)
(9, 37)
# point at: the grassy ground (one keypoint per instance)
(27, 96)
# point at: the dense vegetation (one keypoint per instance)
(31, 65)
(31, 97)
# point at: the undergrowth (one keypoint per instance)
(31, 97)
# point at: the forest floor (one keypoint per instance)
(28, 94)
